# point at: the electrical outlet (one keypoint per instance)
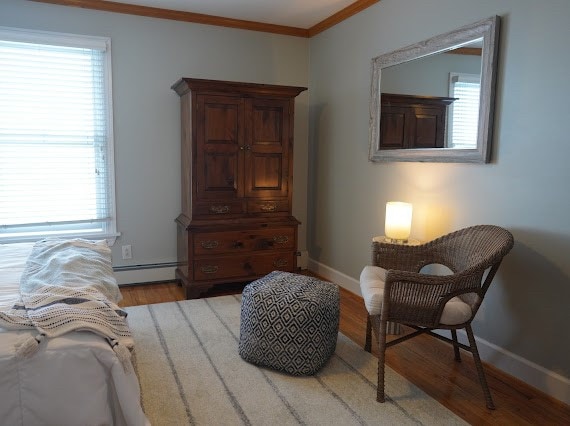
(303, 259)
(127, 253)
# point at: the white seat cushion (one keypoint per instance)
(372, 280)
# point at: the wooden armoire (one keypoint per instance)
(408, 121)
(236, 223)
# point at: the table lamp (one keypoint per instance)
(398, 222)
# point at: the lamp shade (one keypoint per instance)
(398, 220)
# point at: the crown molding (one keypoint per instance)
(340, 16)
(198, 18)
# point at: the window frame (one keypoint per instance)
(109, 228)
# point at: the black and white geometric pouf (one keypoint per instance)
(289, 322)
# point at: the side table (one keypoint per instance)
(408, 242)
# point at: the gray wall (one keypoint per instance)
(427, 76)
(524, 188)
(148, 56)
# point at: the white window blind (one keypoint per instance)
(56, 152)
(464, 111)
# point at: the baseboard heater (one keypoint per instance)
(147, 266)
(145, 274)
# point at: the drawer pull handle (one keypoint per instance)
(278, 263)
(209, 244)
(209, 269)
(269, 207)
(219, 209)
(280, 239)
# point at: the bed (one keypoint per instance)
(76, 378)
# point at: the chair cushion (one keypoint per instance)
(372, 280)
(455, 311)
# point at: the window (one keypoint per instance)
(463, 112)
(56, 144)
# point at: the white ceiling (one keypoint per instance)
(292, 13)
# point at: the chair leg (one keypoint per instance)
(479, 367)
(368, 342)
(380, 396)
(455, 347)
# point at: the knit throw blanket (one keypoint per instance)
(68, 285)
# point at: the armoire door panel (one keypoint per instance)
(221, 122)
(267, 175)
(426, 131)
(220, 172)
(267, 125)
(393, 128)
(219, 147)
(429, 128)
(267, 159)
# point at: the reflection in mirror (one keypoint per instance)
(450, 79)
(432, 101)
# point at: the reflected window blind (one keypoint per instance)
(465, 111)
(55, 171)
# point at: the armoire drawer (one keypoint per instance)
(243, 241)
(219, 208)
(267, 206)
(254, 265)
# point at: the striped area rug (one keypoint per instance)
(191, 374)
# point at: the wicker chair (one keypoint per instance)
(394, 289)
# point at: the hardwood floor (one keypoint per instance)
(425, 361)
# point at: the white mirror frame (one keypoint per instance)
(488, 29)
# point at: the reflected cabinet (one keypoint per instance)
(237, 160)
(413, 121)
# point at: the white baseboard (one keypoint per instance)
(547, 381)
(335, 276)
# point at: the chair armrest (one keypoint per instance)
(400, 256)
(419, 299)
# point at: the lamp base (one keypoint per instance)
(395, 241)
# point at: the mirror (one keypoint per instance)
(433, 101)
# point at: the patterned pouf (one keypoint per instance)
(289, 322)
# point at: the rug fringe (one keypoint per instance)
(124, 355)
(28, 345)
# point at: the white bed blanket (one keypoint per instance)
(72, 379)
(68, 285)
(73, 263)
